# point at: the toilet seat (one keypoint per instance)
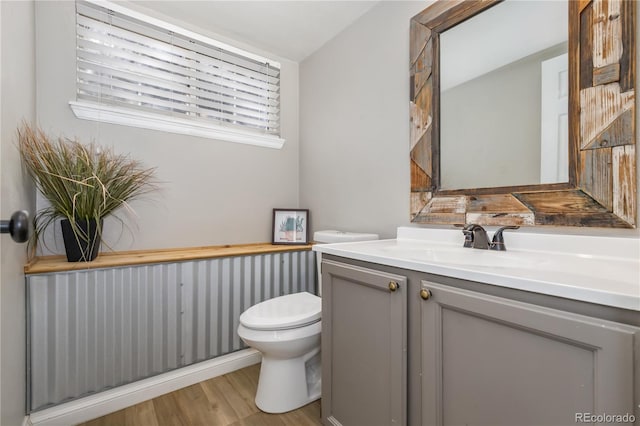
(284, 312)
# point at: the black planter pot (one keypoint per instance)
(85, 246)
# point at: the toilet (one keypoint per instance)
(286, 330)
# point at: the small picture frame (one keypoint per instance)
(290, 226)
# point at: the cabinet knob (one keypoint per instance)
(425, 294)
(393, 286)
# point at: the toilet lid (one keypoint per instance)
(290, 311)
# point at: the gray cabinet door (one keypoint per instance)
(491, 361)
(364, 334)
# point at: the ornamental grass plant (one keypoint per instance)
(82, 182)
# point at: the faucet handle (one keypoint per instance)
(475, 236)
(468, 235)
(497, 242)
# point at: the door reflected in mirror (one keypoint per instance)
(504, 96)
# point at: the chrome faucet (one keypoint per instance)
(476, 236)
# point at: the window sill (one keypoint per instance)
(126, 117)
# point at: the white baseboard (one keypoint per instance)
(100, 404)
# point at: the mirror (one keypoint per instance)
(598, 185)
(504, 86)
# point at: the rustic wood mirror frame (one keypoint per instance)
(602, 160)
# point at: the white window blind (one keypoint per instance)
(128, 63)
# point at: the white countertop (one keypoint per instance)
(601, 270)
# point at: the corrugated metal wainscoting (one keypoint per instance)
(92, 330)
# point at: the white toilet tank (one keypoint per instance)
(325, 237)
(328, 237)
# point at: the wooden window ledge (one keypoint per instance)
(48, 264)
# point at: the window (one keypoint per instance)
(138, 71)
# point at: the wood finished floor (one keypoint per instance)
(222, 401)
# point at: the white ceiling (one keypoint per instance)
(290, 29)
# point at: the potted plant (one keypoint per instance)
(83, 183)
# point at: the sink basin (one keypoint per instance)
(463, 257)
(517, 263)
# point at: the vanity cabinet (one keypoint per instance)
(364, 338)
(475, 354)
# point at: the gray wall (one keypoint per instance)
(354, 120)
(354, 126)
(17, 102)
(213, 192)
(474, 111)
(506, 140)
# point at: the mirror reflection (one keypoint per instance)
(504, 96)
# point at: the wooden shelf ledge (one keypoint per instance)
(48, 264)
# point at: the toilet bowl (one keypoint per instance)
(286, 330)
